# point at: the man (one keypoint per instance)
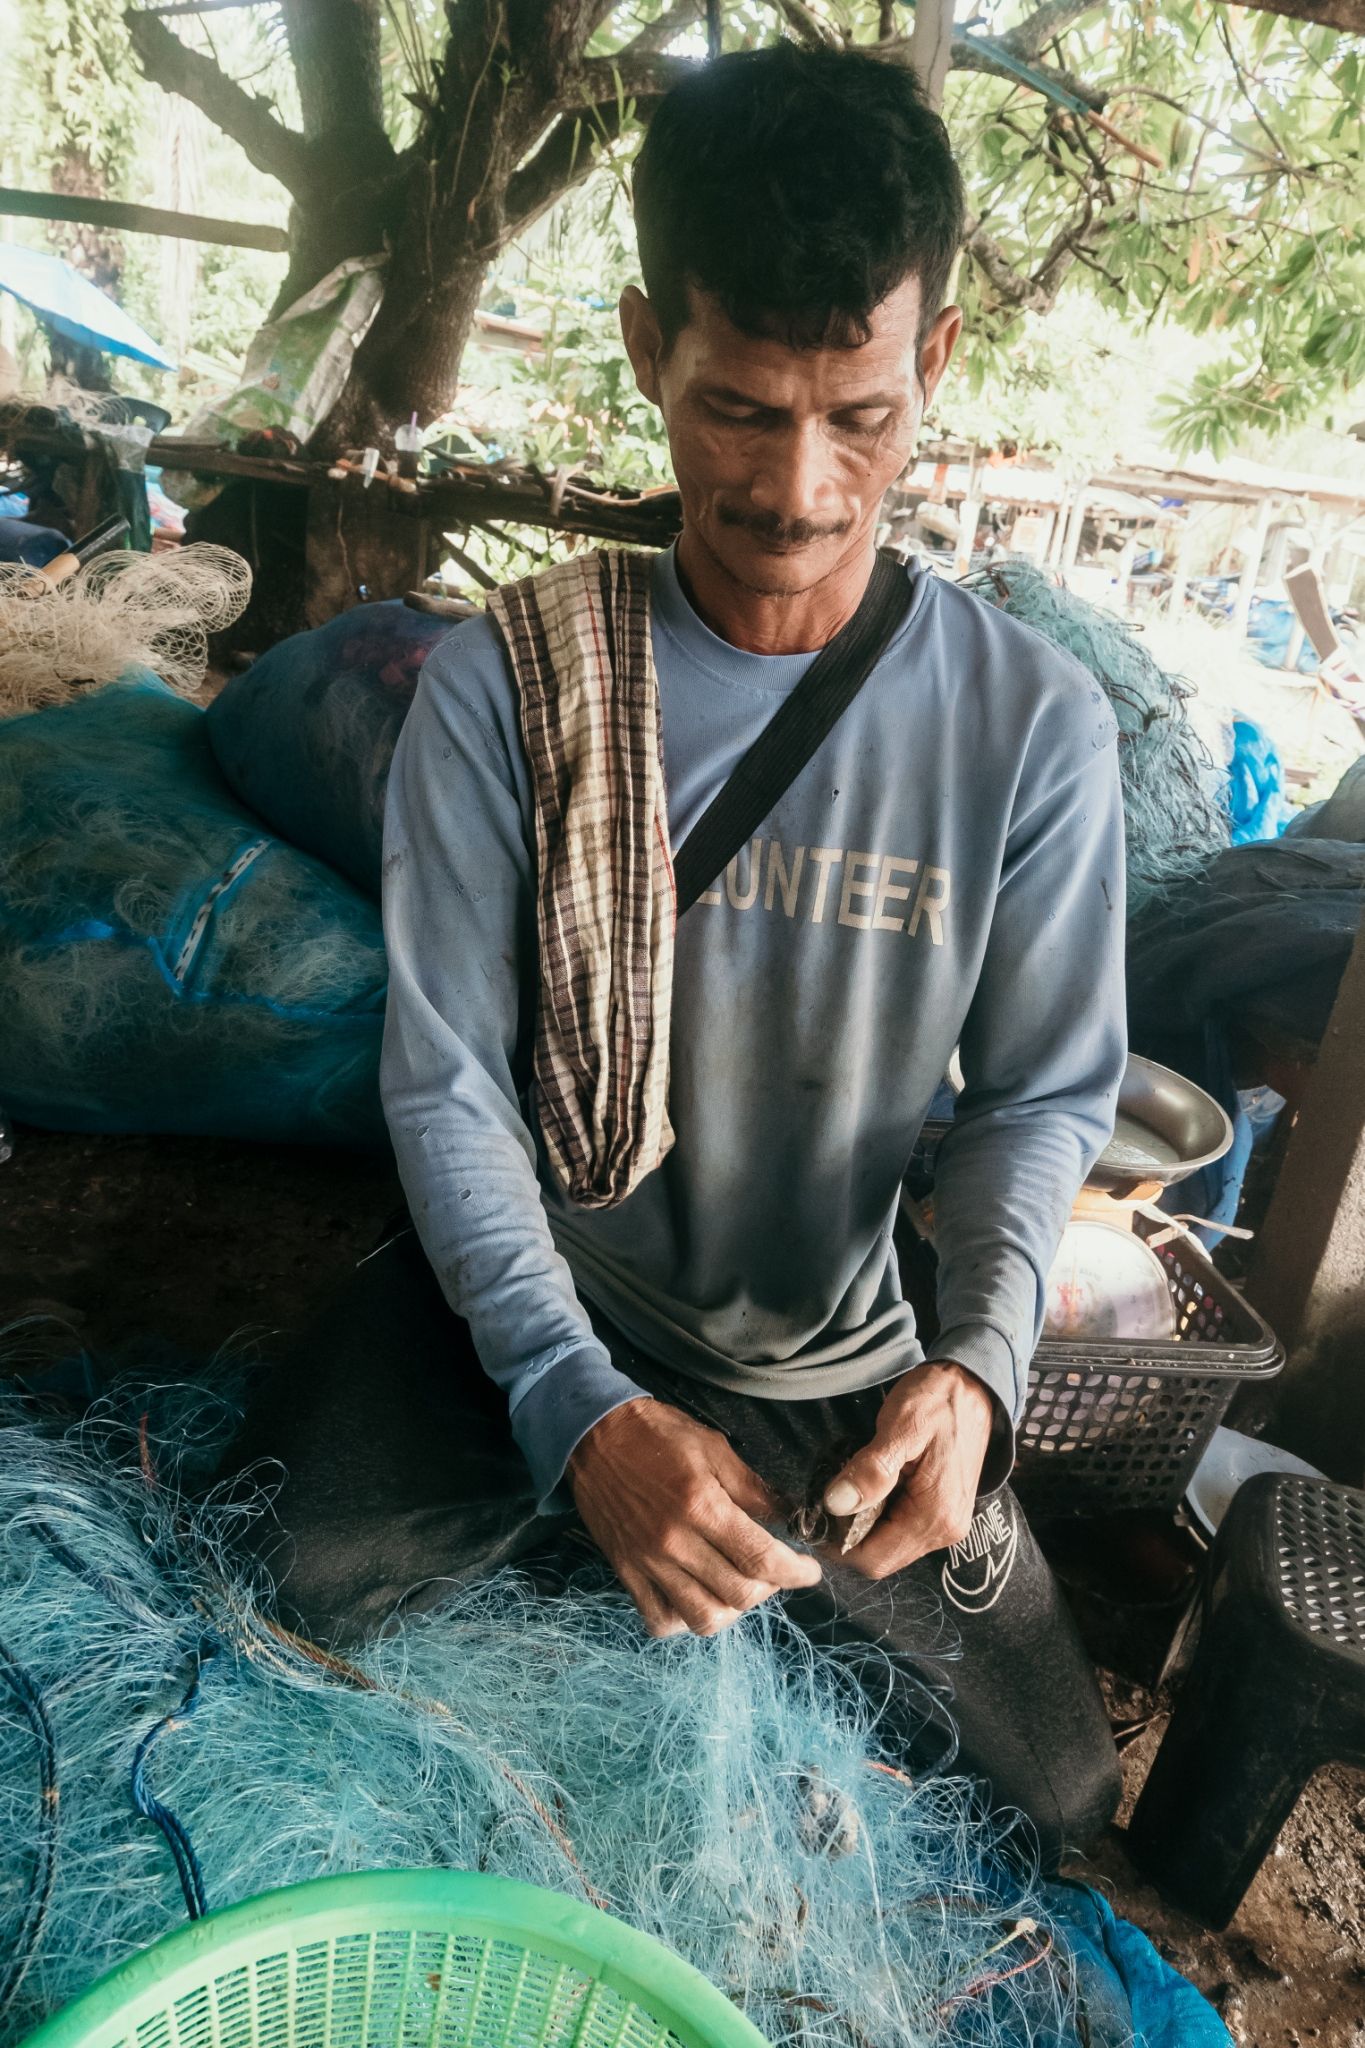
(683, 1368)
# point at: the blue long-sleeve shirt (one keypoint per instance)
(947, 869)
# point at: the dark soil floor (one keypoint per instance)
(194, 1242)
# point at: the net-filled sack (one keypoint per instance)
(306, 734)
(165, 963)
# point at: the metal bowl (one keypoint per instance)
(1187, 1123)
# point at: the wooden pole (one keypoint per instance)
(931, 46)
(1072, 544)
(1246, 582)
(143, 220)
(1308, 1278)
(1180, 578)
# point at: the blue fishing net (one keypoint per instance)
(1174, 792)
(166, 964)
(166, 1748)
(306, 734)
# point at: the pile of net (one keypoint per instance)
(306, 734)
(167, 1747)
(118, 612)
(1174, 801)
(165, 963)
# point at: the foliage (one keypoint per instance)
(1250, 236)
(1251, 231)
(578, 399)
(1248, 233)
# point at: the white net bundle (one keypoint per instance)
(121, 611)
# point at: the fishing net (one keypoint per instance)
(306, 734)
(1174, 803)
(119, 612)
(169, 1747)
(165, 964)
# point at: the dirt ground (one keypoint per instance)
(193, 1242)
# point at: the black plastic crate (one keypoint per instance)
(1111, 1426)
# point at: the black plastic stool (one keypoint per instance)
(1276, 1690)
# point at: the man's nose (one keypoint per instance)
(791, 479)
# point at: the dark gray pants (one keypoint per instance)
(402, 1478)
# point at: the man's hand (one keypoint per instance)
(673, 1509)
(924, 1462)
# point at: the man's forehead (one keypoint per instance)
(724, 358)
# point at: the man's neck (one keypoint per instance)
(799, 623)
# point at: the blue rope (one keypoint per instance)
(187, 1867)
(25, 1691)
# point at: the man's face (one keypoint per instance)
(783, 455)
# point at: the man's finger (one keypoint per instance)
(753, 1551)
(704, 1615)
(931, 1511)
(712, 1569)
(654, 1611)
(743, 1484)
(873, 1473)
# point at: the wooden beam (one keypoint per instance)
(124, 217)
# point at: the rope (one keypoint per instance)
(187, 1867)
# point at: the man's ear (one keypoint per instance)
(643, 339)
(936, 350)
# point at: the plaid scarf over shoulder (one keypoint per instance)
(578, 639)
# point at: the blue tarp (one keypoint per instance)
(72, 306)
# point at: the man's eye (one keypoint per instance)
(863, 422)
(739, 413)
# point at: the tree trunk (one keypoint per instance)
(410, 359)
(347, 206)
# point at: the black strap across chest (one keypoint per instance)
(791, 736)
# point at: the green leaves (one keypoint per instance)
(1254, 229)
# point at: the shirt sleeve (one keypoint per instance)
(459, 925)
(1043, 1051)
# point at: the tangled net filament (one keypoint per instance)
(119, 612)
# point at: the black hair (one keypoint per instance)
(799, 187)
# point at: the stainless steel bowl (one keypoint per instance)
(1190, 1123)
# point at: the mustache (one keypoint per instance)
(786, 532)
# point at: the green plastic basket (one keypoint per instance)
(403, 1959)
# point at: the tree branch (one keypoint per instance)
(656, 36)
(1347, 15)
(972, 53)
(1038, 293)
(562, 160)
(248, 121)
(807, 26)
(593, 103)
(635, 73)
(1037, 30)
(335, 50)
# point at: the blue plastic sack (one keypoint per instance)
(1257, 804)
(306, 734)
(22, 541)
(1131, 1996)
(165, 963)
